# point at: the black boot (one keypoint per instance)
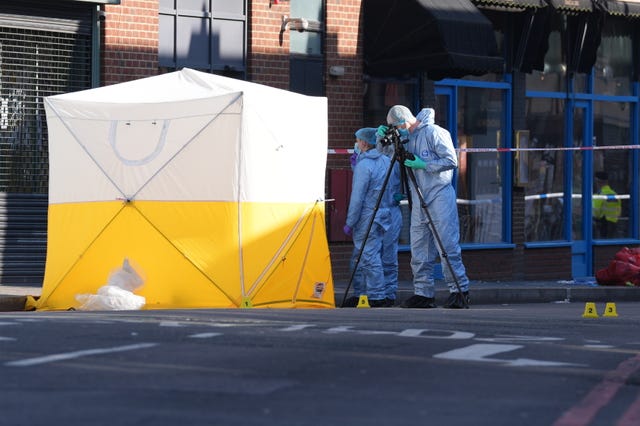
(458, 301)
(419, 302)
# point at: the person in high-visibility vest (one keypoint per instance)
(606, 211)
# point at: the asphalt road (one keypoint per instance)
(542, 364)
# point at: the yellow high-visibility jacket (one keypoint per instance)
(608, 209)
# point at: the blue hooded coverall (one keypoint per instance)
(389, 248)
(433, 144)
(368, 178)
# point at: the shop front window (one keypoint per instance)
(613, 171)
(545, 190)
(479, 185)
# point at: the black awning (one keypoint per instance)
(572, 5)
(531, 40)
(584, 32)
(511, 4)
(620, 8)
(443, 38)
(585, 19)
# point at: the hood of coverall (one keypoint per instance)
(426, 116)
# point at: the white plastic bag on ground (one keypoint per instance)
(117, 295)
(126, 277)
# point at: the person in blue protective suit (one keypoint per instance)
(368, 180)
(433, 167)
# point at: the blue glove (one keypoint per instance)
(397, 197)
(382, 130)
(353, 159)
(417, 163)
(347, 230)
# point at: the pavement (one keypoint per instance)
(513, 292)
(13, 298)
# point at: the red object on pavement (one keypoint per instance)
(624, 269)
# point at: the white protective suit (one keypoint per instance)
(433, 144)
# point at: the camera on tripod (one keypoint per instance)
(392, 137)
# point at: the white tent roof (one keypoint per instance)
(187, 135)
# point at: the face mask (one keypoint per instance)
(404, 133)
(356, 149)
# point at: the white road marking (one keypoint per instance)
(349, 329)
(477, 352)
(204, 335)
(435, 334)
(297, 327)
(340, 329)
(170, 324)
(524, 339)
(2, 338)
(411, 332)
(480, 352)
(77, 354)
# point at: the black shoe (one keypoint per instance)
(351, 302)
(379, 303)
(419, 302)
(389, 303)
(458, 301)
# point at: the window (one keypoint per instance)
(207, 35)
(479, 185)
(612, 127)
(306, 67)
(544, 193)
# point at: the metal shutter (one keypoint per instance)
(45, 49)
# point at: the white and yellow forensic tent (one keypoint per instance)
(212, 187)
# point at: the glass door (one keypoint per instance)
(581, 191)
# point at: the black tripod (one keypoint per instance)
(392, 137)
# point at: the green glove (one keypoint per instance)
(417, 163)
(382, 130)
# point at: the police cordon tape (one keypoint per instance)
(568, 148)
(544, 196)
(535, 196)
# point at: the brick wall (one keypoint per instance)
(603, 255)
(343, 48)
(268, 47)
(549, 263)
(129, 41)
